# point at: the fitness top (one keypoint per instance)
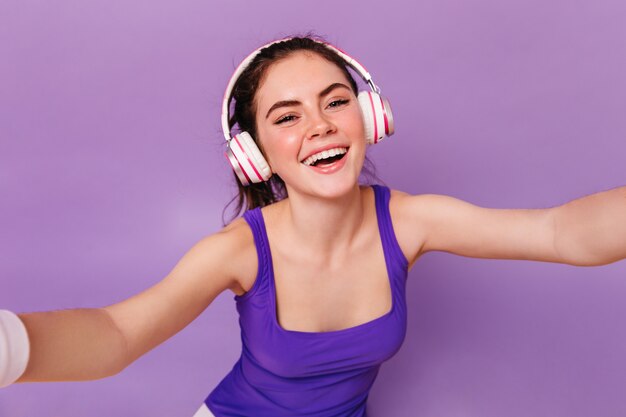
(285, 373)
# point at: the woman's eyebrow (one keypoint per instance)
(287, 103)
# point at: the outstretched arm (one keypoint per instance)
(592, 230)
(86, 344)
(587, 231)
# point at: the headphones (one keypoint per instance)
(243, 153)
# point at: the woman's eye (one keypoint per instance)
(337, 103)
(284, 119)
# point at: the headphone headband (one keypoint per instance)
(351, 62)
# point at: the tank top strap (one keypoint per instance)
(254, 218)
(387, 234)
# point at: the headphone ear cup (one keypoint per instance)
(377, 116)
(247, 160)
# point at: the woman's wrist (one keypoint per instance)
(14, 348)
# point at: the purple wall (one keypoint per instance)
(111, 167)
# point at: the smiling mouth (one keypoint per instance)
(326, 157)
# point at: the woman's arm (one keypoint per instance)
(72, 345)
(85, 344)
(587, 231)
(592, 230)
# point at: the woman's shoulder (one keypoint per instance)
(399, 202)
(407, 201)
(411, 210)
(237, 229)
(240, 257)
(405, 219)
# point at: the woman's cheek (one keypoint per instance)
(284, 147)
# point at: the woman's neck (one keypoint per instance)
(326, 226)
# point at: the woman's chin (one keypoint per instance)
(325, 183)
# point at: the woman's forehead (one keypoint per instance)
(301, 73)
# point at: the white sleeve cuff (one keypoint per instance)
(14, 348)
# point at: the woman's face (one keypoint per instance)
(310, 126)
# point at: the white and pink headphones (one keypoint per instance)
(243, 153)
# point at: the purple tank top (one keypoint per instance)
(285, 373)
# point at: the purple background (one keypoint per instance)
(111, 167)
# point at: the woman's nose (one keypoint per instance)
(319, 126)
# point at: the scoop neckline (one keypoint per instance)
(347, 330)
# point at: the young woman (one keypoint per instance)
(318, 262)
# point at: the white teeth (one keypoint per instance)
(324, 154)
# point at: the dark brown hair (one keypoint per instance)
(244, 114)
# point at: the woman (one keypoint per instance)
(318, 262)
